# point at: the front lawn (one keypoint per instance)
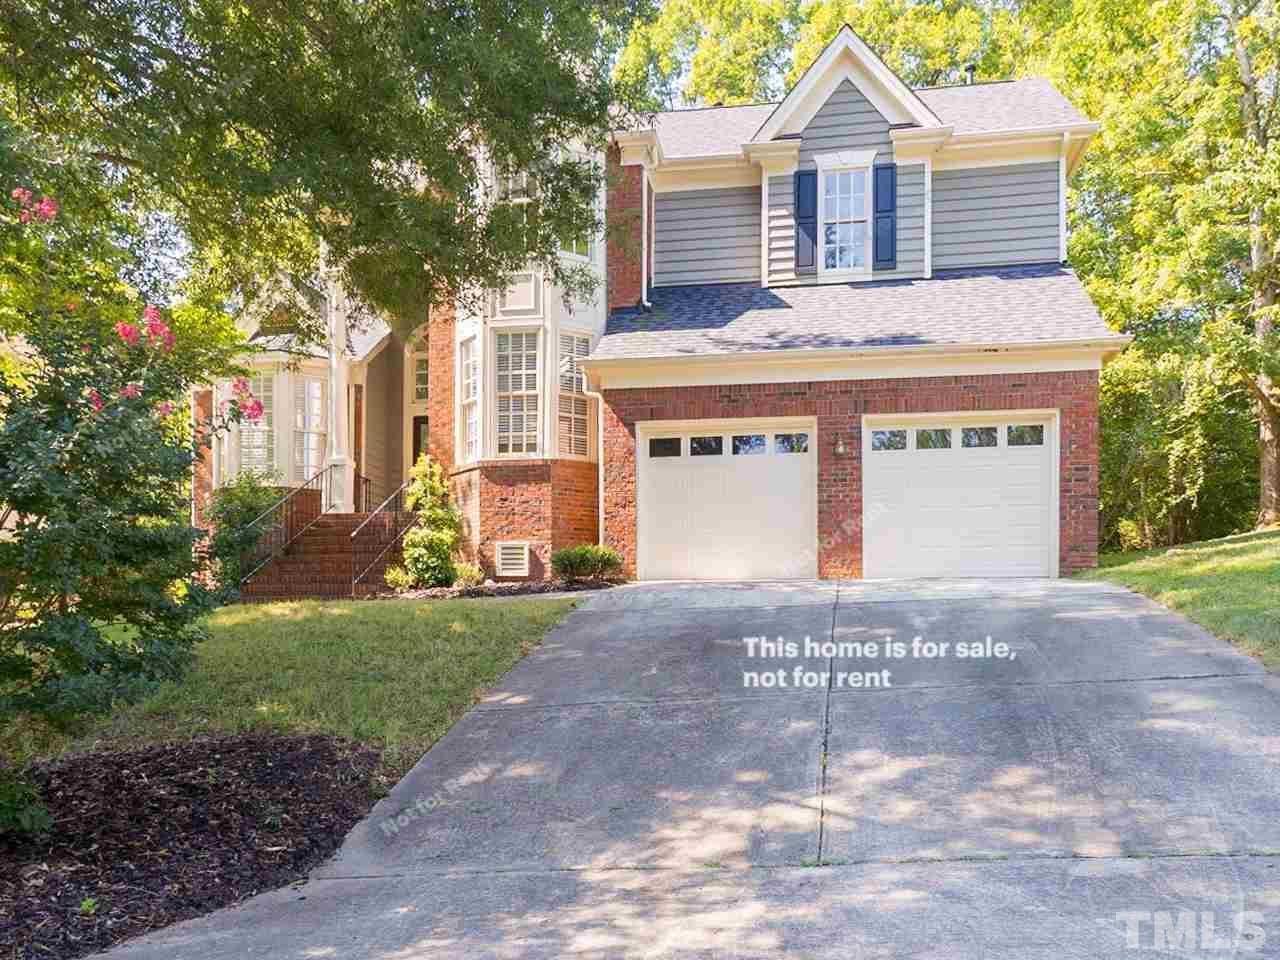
(391, 674)
(1229, 586)
(250, 771)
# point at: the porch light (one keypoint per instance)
(841, 449)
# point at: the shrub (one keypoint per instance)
(586, 561)
(398, 579)
(469, 575)
(429, 547)
(233, 506)
(21, 812)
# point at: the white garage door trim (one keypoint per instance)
(661, 428)
(1051, 419)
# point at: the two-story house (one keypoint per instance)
(837, 338)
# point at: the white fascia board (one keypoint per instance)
(846, 41)
(877, 363)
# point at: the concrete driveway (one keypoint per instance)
(1108, 786)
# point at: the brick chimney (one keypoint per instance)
(623, 219)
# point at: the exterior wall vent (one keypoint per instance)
(511, 558)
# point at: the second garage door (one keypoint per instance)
(959, 497)
(727, 501)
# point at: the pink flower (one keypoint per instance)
(22, 195)
(46, 209)
(164, 408)
(129, 333)
(251, 409)
(224, 407)
(72, 305)
(159, 332)
(131, 391)
(150, 314)
(95, 399)
(240, 387)
(25, 216)
(87, 349)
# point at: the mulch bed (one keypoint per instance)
(523, 588)
(166, 833)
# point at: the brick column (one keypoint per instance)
(440, 376)
(623, 217)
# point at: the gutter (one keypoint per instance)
(599, 398)
(1113, 344)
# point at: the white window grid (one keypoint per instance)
(258, 440)
(421, 378)
(846, 219)
(572, 412)
(310, 427)
(516, 393)
(469, 372)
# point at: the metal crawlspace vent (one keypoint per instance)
(512, 559)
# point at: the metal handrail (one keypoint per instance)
(378, 533)
(363, 490)
(288, 518)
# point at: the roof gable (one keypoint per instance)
(847, 57)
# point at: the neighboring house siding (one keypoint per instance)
(707, 236)
(847, 121)
(378, 418)
(992, 216)
(782, 228)
(910, 224)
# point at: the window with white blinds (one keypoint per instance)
(470, 369)
(258, 440)
(572, 412)
(310, 427)
(516, 392)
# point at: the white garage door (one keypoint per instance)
(727, 501)
(959, 497)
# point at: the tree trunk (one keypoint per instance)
(1269, 459)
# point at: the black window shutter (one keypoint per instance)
(886, 217)
(806, 221)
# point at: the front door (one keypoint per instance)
(419, 437)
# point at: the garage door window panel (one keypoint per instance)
(791, 443)
(661, 447)
(973, 437)
(933, 439)
(1026, 435)
(749, 445)
(706, 446)
(888, 440)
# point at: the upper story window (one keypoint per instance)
(516, 392)
(258, 440)
(846, 223)
(469, 374)
(579, 246)
(572, 412)
(421, 379)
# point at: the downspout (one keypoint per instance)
(644, 239)
(599, 398)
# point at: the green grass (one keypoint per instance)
(396, 674)
(1230, 586)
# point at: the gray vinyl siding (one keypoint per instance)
(782, 228)
(910, 224)
(707, 236)
(847, 121)
(993, 216)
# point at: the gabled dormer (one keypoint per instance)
(855, 177)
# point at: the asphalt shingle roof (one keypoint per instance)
(987, 107)
(1024, 304)
(972, 108)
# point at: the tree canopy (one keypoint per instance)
(282, 135)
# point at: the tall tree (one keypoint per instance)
(280, 128)
(711, 51)
(1177, 224)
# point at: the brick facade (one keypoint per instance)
(550, 503)
(202, 472)
(839, 407)
(440, 372)
(623, 233)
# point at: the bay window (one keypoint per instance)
(516, 393)
(470, 365)
(310, 427)
(258, 440)
(572, 412)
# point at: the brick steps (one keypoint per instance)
(319, 565)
